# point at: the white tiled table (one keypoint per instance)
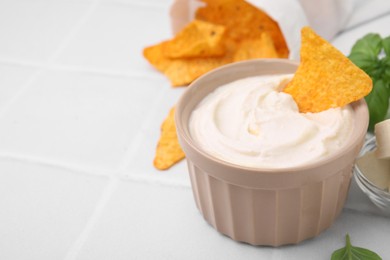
(80, 112)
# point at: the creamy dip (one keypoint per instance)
(250, 122)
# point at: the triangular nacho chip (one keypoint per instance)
(197, 39)
(168, 151)
(325, 77)
(182, 72)
(243, 20)
(155, 55)
(262, 47)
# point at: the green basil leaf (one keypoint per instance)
(350, 252)
(386, 45)
(372, 54)
(370, 46)
(377, 70)
(378, 102)
(386, 70)
(365, 51)
(363, 61)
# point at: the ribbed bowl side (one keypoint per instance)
(322, 202)
(335, 190)
(269, 217)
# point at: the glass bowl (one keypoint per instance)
(379, 197)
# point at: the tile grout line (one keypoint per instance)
(52, 163)
(24, 86)
(113, 182)
(120, 174)
(115, 179)
(157, 181)
(73, 32)
(81, 69)
(50, 60)
(137, 141)
(75, 249)
(78, 244)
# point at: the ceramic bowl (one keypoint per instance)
(262, 206)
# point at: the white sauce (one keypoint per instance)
(250, 122)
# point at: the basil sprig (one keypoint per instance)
(372, 54)
(350, 252)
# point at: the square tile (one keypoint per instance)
(33, 30)
(151, 221)
(140, 165)
(158, 222)
(43, 209)
(351, 222)
(114, 37)
(84, 120)
(12, 79)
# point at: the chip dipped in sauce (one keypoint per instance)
(251, 122)
(325, 77)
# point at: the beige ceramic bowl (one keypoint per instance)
(266, 206)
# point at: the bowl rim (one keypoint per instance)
(359, 106)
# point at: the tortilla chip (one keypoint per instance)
(228, 31)
(256, 48)
(243, 20)
(168, 151)
(197, 39)
(155, 55)
(182, 72)
(325, 78)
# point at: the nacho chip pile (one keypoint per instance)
(243, 21)
(222, 32)
(197, 40)
(325, 77)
